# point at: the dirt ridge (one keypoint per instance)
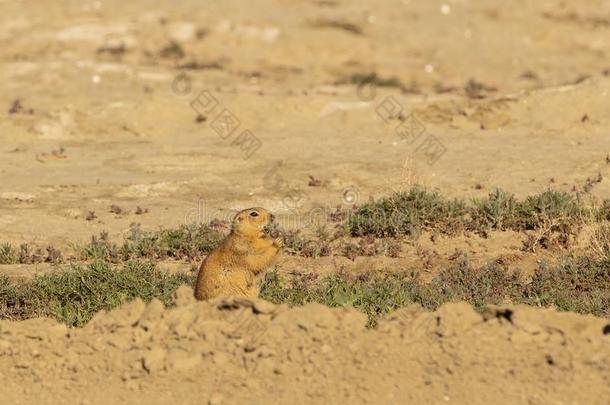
(231, 350)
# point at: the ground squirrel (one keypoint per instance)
(236, 267)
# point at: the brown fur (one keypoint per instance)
(236, 267)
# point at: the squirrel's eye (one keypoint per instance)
(254, 214)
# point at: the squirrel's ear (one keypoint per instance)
(238, 218)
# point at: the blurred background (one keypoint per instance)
(178, 112)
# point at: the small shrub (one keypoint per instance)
(490, 284)
(8, 254)
(550, 208)
(352, 250)
(599, 242)
(297, 244)
(578, 284)
(555, 217)
(393, 248)
(407, 213)
(99, 248)
(53, 255)
(294, 242)
(496, 212)
(28, 254)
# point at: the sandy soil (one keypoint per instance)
(255, 352)
(191, 111)
(91, 79)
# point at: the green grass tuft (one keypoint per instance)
(8, 254)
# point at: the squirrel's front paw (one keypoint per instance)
(278, 242)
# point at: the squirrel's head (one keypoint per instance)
(252, 221)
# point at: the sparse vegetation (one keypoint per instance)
(141, 211)
(74, 296)
(604, 211)
(550, 208)
(577, 284)
(27, 254)
(371, 79)
(185, 242)
(475, 89)
(496, 212)
(190, 242)
(115, 209)
(116, 51)
(173, 50)
(371, 246)
(337, 24)
(554, 216)
(408, 213)
(490, 284)
(549, 219)
(314, 246)
(599, 242)
(8, 254)
(557, 215)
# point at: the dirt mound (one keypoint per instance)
(237, 351)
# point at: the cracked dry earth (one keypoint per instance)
(241, 351)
